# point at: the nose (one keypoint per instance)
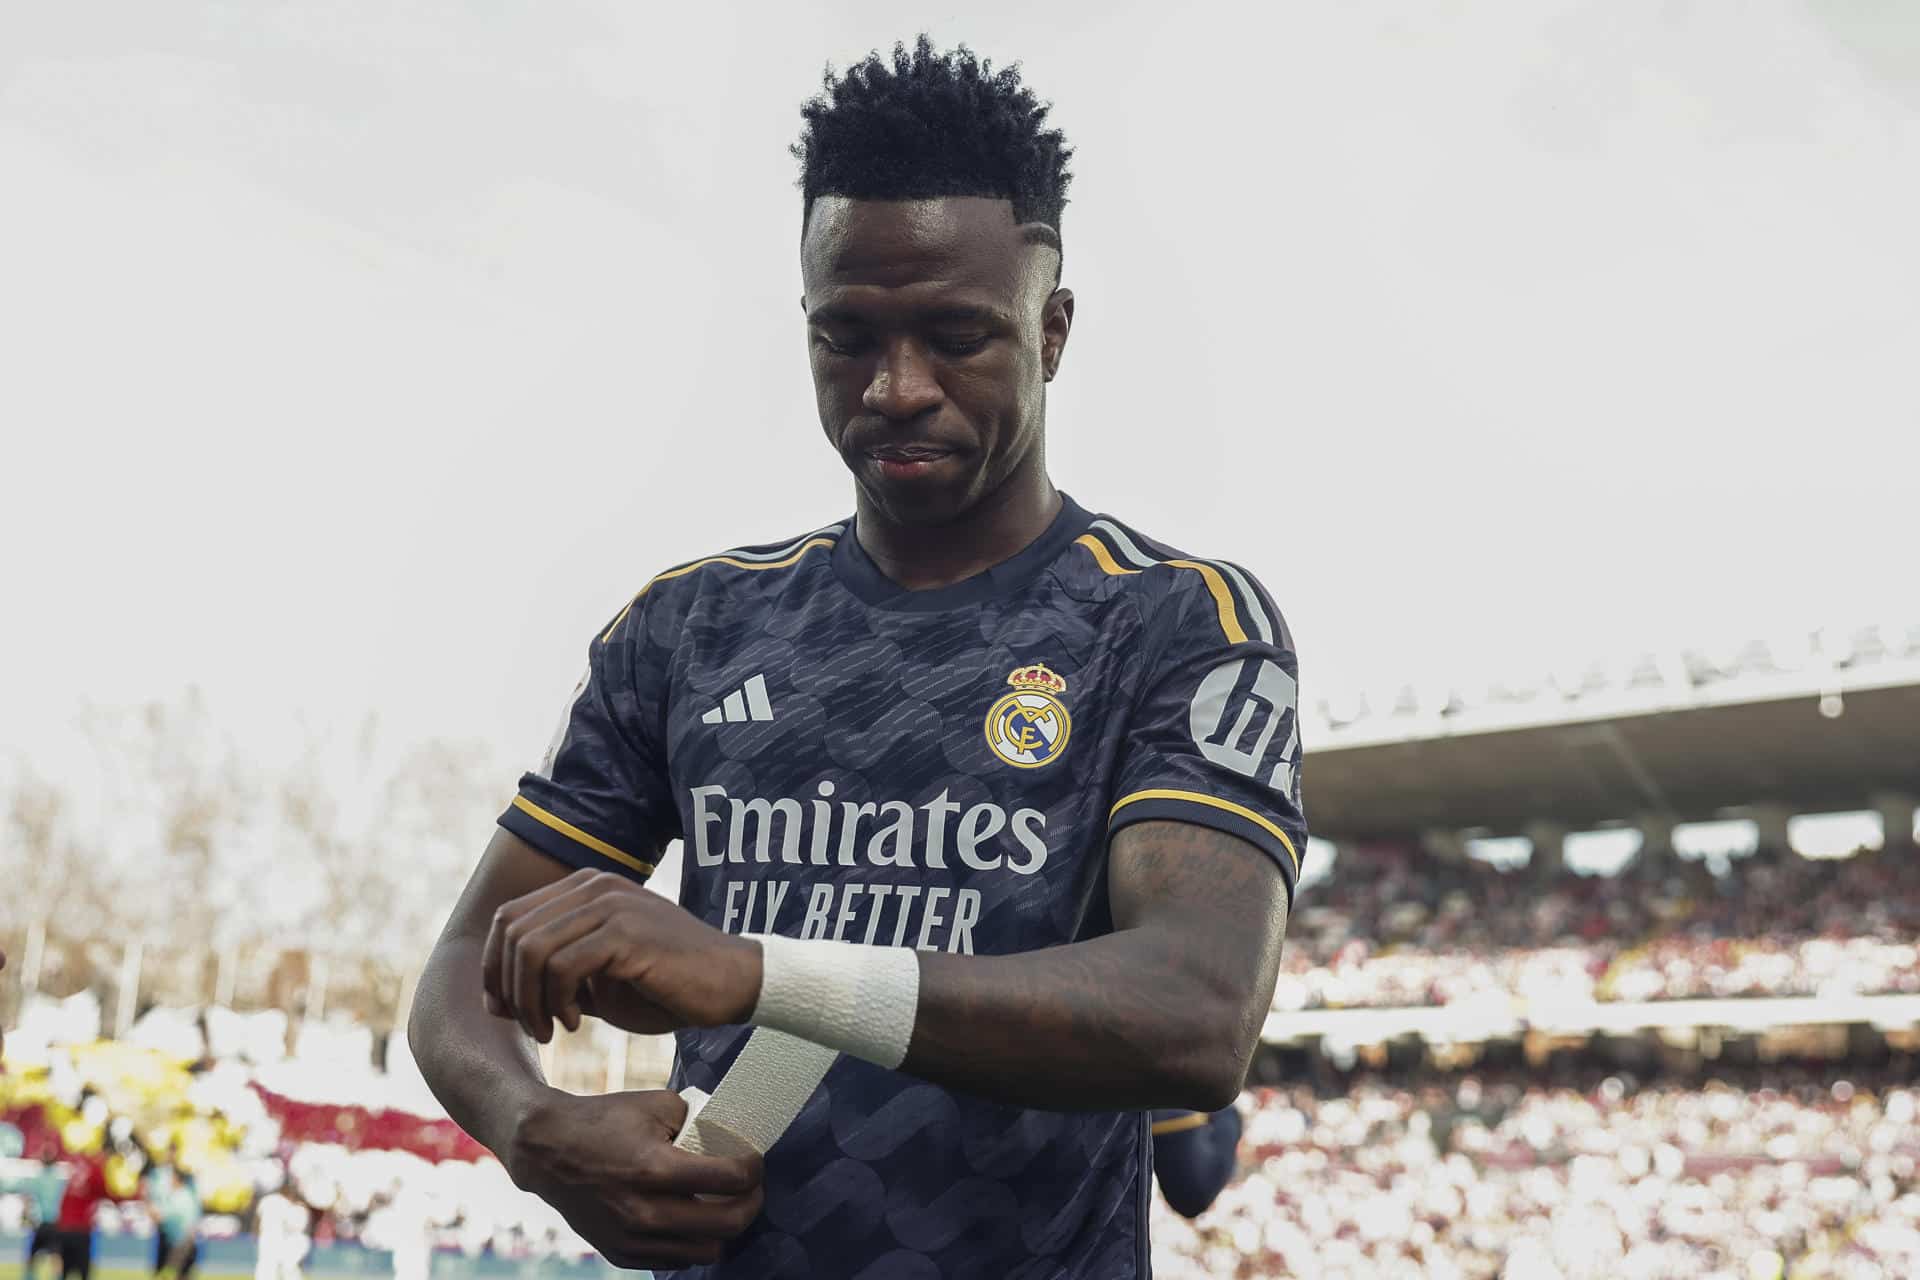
(904, 385)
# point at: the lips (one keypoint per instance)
(909, 453)
(907, 461)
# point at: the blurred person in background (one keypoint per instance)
(280, 1235)
(1194, 1155)
(85, 1192)
(43, 1189)
(404, 1217)
(173, 1199)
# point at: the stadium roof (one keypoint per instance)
(1823, 723)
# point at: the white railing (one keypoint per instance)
(1826, 663)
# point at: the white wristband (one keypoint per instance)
(857, 999)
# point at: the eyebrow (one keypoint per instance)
(958, 313)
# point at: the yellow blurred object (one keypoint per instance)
(154, 1092)
(123, 1179)
(81, 1138)
(225, 1187)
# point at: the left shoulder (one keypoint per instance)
(1166, 576)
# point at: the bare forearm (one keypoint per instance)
(483, 1069)
(1164, 1012)
(1116, 1023)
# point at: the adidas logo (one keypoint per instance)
(748, 702)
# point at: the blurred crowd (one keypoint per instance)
(1560, 1173)
(289, 1130)
(301, 1151)
(1394, 928)
(1757, 1176)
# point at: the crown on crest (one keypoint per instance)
(1038, 678)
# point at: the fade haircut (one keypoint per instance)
(929, 125)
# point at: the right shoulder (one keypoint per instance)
(670, 592)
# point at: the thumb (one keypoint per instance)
(664, 1106)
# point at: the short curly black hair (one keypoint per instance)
(934, 124)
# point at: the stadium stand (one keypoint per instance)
(1452, 1151)
(1393, 928)
(1738, 1178)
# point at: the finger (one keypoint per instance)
(570, 966)
(588, 998)
(586, 1001)
(493, 957)
(697, 1217)
(567, 986)
(536, 987)
(526, 921)
(634, 1247)
(637, 1251)
(666, 1109)
(537, 937)
(670, 1169)
(623, 1005)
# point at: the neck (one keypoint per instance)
(925, 557)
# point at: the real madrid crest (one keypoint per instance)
(1028, 727)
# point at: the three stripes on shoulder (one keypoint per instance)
(748, 702)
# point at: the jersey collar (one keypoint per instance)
(858, 573)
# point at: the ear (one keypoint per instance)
(1055, 324)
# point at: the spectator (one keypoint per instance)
(1768, 1173)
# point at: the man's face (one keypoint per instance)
(933, 327)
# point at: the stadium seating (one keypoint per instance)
(1393, 929)
(1414, 1173)
(1460, 1177)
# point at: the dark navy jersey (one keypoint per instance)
(938, 769)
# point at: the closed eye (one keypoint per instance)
(850, 345)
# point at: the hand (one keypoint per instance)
(596, 943)
(608, 1164)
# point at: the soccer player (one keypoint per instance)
(997, 797)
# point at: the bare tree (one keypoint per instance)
(346, 856)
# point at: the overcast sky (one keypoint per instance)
(365, 357)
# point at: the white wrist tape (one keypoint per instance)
(857, 999)
(758, 1099)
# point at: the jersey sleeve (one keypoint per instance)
(1194, 1155)
(601, 798)
(1215, 737)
